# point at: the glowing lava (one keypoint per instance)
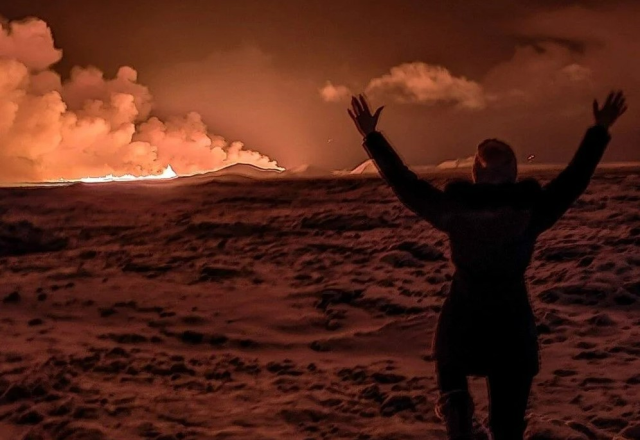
(168, 173)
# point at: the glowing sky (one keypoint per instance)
(90, 125)
(273, 74)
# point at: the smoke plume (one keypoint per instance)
(421, 83)
(89, 125)
(331, 93)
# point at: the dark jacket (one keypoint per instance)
(486, 323)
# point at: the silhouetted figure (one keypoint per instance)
(486, 326)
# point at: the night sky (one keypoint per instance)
(450, 73)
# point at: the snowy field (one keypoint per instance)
(206, 308)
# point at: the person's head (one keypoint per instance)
(495, 162)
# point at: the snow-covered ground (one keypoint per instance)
(205, 308)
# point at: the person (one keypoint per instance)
(486, 326)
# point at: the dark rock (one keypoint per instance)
(87, 255)
(118, 352)
(396, 403)
(13, 297)
(612, 423)
(86, 412)
(634, 380)
(15, 393)
(329, 221)
(387, 378)
(218, 273)
(23, 238)
(181, 368)
(337, 296)
(218, 340)
(591, 355)
(601, 320)
(565, 252)
(106, 312)
(585, 262)
(421, 251)
(30, 418)
(564, 373)
(400, 259)
(319, 346)
(373, 392)
(192, 337)
(125, 338)
(218, 375)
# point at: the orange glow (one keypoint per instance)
(168, 173)
(92, 128)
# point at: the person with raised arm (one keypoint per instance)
(486, 326)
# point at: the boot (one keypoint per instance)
(455, 408)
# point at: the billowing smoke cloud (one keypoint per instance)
(30, 43)
(422, 83)
(331, 93)
(90, 125)
(535, 71)
(572, 53)
(538, 99)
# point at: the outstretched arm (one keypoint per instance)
(417, 194)
(559, 194)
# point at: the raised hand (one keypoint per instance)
(612, 109)
(362, 117)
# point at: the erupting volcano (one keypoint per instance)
(168, 173)
(91, 128)
(453, 250)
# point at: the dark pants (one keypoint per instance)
(508, 396)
